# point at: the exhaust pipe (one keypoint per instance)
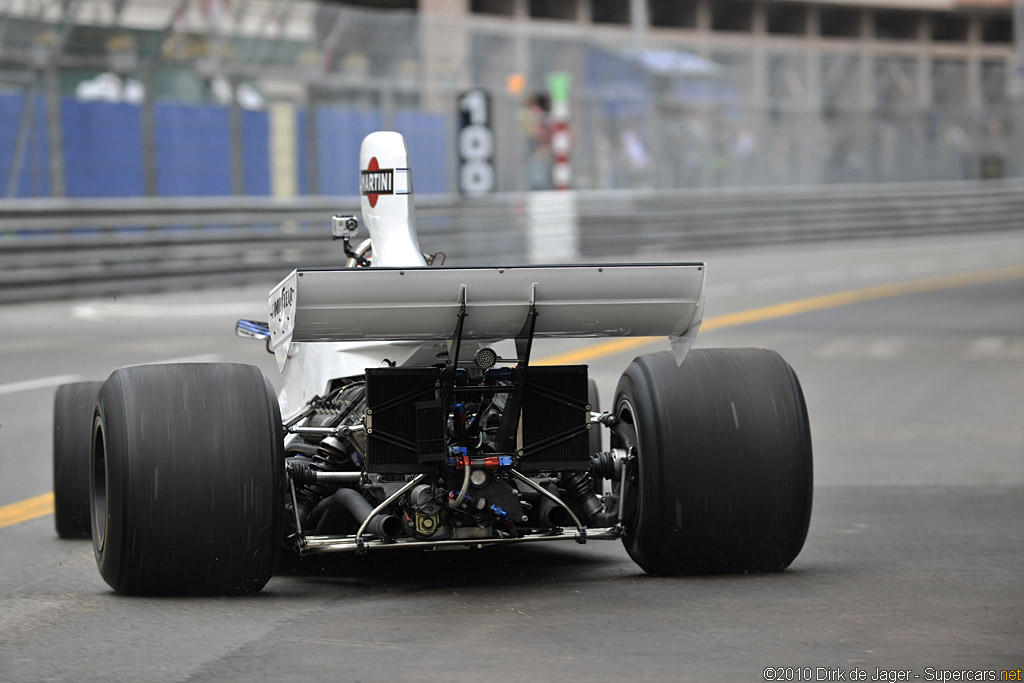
(550, 513)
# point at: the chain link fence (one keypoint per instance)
(272, 97)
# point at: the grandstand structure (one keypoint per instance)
(271, 97)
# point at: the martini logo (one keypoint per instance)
(375, 181)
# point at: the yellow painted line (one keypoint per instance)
(858, 296)
(817, 303)
(605, 348)
(22, 511)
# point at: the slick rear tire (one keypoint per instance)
(186, 480)
(72, 434)
(722, 480)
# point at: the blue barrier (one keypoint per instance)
(102, 149)
(340, 131)
(193, 150)
(428, 139)
(256, 152)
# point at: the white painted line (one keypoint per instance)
(41, 383)
(774, 282)
(721, 289)
(923, 265)
(824, 277)
(875, 270)
(201, 358)
(996, 348)
(57, 380)
(838, 348)
(114, 311)
(881, 349)
(972, 259)
(885, 348)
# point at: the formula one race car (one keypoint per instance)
(403, 428)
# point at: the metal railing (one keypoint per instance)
(74, 248)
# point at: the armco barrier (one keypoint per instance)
(54, 249)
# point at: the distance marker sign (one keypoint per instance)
(475, 144)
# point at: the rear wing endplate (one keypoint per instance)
(423, 304)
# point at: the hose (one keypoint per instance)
(381, 526)
(467, 469)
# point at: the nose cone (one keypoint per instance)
(385, 186)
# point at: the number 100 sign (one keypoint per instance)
(475, 144)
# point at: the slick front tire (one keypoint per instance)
(721, 479)
(72, 435)
(186, 479)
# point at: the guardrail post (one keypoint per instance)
(28, 110)
(1016, 88)
(237, 142)
(311, 146)
(149, 179)
(54, 135)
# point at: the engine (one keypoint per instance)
(445, 452)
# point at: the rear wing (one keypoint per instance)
(424, 304)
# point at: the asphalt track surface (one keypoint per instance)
(914, 560)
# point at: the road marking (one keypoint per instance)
(595, 351)
(24, 510)
(791, 308)
(923, 265)
(859, 347)
(974, 259)
(201, 358)
(857, 296)
(824, 277)
(773, 282)
(101, 311)
(874, 270)
(40, 383)
(39, 506)
(1000, 348)
(722, 289)
(57, 380)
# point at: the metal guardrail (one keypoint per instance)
(71, 248)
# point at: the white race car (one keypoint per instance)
(400, 426)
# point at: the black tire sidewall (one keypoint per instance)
(109, 530)
(195, 485)
(714, 499)
(72, 429)
(644, 518)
